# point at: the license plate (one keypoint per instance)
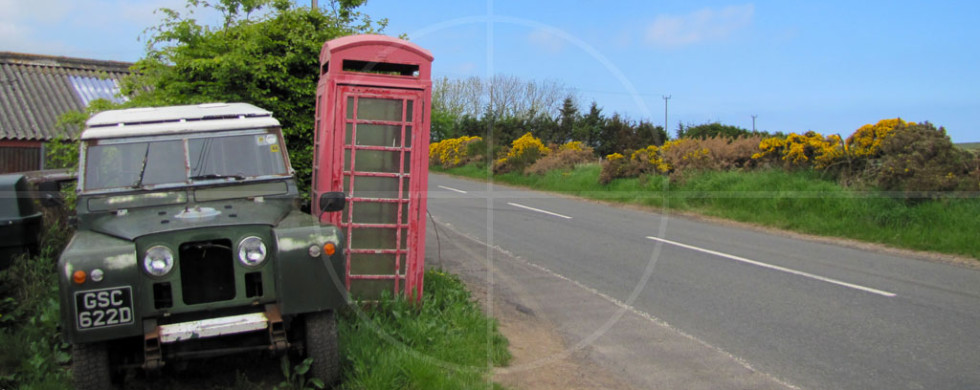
(103, 308)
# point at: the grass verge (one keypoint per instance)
(446, 343)
(798, 201)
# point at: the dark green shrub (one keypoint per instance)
(920, 161)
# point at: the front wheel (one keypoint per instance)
(321, 345)
(90, 366)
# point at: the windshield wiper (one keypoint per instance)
(146, 155)
(217, 176)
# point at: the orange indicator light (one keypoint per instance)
(78, 277)
(329, 248)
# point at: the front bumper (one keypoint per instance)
(190, 339)
(212, 327)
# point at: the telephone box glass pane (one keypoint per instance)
(376, 187)
(408, 111)
(376, 161)
(408, 136)
(348, 133)
(379, 135)
(350, 107)
(372, 238)
(372, 264)
(379, 109)
(376, 212)
(371, 289)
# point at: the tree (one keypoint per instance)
(502, 96)
(270, 60)
(648, 134)
(616, 136)
(567, 117)
(442, 125)
(709, 130)
(588, 128)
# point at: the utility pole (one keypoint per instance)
(753, 122)
(666, 98)
(313, 4)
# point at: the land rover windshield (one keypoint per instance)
(184, 159)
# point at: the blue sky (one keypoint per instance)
(829, 66)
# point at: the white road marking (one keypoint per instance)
(452, 189)
(538, 210)
(620, 304)
(776, 267)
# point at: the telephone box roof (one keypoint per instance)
(353, 41)
(370, 58)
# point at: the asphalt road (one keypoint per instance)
(808, 314)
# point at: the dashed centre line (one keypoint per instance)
(452, 189)
(538, 210)
(776, 267)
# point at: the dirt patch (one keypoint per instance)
(540, 357)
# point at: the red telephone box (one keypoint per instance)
(372, 143)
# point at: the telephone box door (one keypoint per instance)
(385, 188)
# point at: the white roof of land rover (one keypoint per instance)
(177, 119)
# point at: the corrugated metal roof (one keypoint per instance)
(35, 90)
(91, 88)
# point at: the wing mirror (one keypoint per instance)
(332, 201)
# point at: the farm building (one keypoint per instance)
(35, 90)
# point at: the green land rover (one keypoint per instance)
(190, 243)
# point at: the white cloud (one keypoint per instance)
(19, 18)
(704, 25)
(19, 38)
(546, 40)
(44, 11)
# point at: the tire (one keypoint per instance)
(90, 367)
(321, 345)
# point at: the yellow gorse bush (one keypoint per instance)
(803, 149)
(614, 157)
(450, 152)
(812, 148)
(866, 141)
(653, 156)
(523, 152)
(684, 153)
(571, 145)
(528, 143)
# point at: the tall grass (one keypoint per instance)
(446, 343)
(32, 355)
(801, 201)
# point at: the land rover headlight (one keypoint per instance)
(251, 251)
(158, 261)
